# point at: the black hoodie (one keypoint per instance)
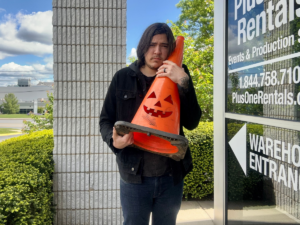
(124, 96)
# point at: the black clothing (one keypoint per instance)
(149, 81)
(124, 96)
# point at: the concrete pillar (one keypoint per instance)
(89, 38)
(35, 106)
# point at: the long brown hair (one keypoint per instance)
(149, 33)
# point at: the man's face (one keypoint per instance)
(157, 51)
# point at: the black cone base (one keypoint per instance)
(178, 141)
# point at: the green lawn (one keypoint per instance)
(7, 130)
(8, 116)
(14, 116)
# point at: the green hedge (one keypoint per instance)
(26, 168)
(200, 181)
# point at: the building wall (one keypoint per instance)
(89, 38)
(27, 93)
(26, 107)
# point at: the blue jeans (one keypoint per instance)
(157, 195)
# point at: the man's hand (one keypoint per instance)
(121, 142)
(174, 72)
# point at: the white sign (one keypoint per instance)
(273, 158)
(238, 146)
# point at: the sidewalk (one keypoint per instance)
(196, 213)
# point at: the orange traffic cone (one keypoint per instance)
(155, 125)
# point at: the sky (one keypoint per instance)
(26, 48)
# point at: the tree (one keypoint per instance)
(40, 109)
(196, 25)
(200, 65)
(132, 59)
(41, 123)
(10, 104)
(197, 18)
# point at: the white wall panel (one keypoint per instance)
(89, 43)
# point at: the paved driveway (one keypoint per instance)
(12, 123)
(2, 138)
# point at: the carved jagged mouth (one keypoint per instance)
(157, 113)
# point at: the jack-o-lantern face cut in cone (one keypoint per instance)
(155, 125)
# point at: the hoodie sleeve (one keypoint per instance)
(108, 115)
(190, 111)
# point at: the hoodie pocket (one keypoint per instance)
(128, 163)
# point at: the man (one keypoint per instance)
(149, 182)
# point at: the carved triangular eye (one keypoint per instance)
(152, 95)
(169, 99)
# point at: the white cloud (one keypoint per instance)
(233, 47)
(36, 27)
(2, 10)
(26, 34)
(49, 61)
(10, 72)
(133, 53)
